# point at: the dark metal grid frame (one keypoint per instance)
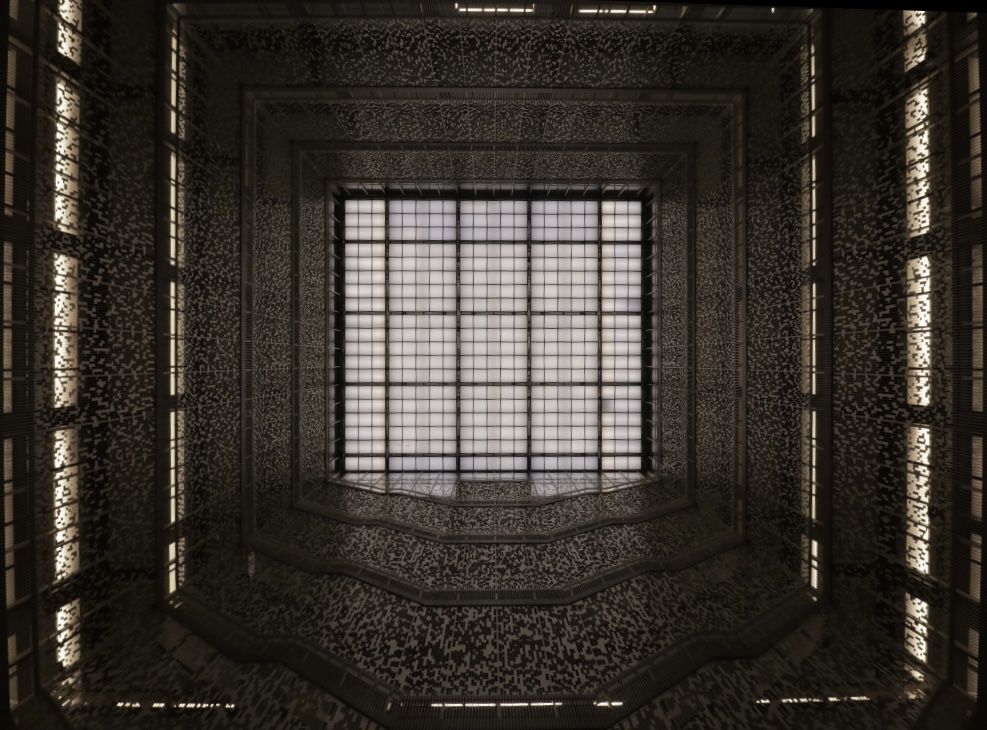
(643, 194)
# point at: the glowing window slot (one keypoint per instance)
(917, 627)
(70, 29)
(67, 120)
(917, 501)
(66, 502)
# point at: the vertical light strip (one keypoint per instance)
(68, 115)
(918, 303)
(9, 535)
(8, 327)
(918, 164)
(176, 323)
(809, 296)
(916, 40)
(10, 547)
(177, 466)
(65, 332)
(68, 643)
(977, 327)
(917, 627)
(917, 501)
(976, 149)
(69, 42)
(66, 472)
(9, 156)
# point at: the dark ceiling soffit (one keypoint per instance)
(461, 94)
(664, 14)
(459, 147)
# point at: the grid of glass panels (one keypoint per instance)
(492, 336)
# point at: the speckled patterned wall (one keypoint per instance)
(419, 603)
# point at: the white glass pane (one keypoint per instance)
(364, 342)
(569, 462)
(565, 220)
(422, 420)
(494, 348)
(494, 277)
(364, 269)
(564, 277)
(422, 348)
(364, 220)
(621, 348)
(364, 419)
(422, 277)
(422, 220)
(621, 427)
(564, 348)
(493, 220)
(622, 277)
(494, 421)
(621, 220)
(564, 419)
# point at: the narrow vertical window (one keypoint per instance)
(977, 326)
(66, 502)
(9, 136)
(976, 149)
(809, 317)
(177, 466)
(70, 29)
(916, 39)
(917, 627)
(65, 332)
(8, 528)
(918, 305)
(68, 643)
(176, 326)
(8, 327)
(67, 120)
(917, 501)
(917, 160)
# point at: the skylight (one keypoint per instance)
(498, 336)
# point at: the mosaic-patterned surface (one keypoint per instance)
(476, 566)
(497, 650)
(445, 519)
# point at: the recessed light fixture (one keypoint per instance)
(618, 11)
(493, 9)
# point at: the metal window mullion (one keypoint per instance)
(599, 341)
(459, 337)
(529, 325)
(387, 342)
